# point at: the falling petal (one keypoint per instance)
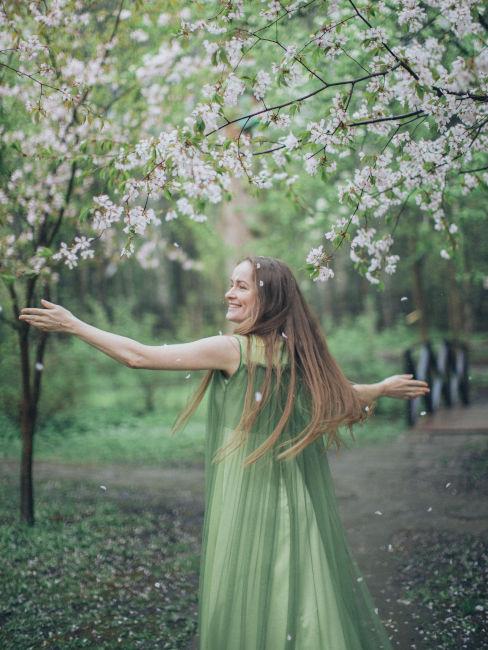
(378, 512)
(429, 509)
(258, 396)
(284, 335)
(423, 413)
(103, 487)
(261, 283)
(359, 579)
(39, 366)
(176, 244)
(220, 332)
(258, 265)
(448, 484)
(390, 548)
(188, 375)
(403, 299)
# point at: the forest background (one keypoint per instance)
(142, 70)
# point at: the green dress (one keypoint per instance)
(276, 572)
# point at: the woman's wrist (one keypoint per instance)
(73, 325)
(381, 387)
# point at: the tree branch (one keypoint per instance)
(303, 98)
(404, 65)
(391, 118)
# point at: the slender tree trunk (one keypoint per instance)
(31, 390)
(419, 297)
(27, 425)
(455, 303)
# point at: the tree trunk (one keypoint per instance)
(455, 303)
(27, 424)
(419, 298)
(31, 391)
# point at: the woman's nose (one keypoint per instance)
(229, 292)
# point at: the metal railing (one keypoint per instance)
(445, 368)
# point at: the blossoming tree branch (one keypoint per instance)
(400, 87)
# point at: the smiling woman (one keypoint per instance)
(241, 295)
(276, 570)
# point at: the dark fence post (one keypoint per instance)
(446, 371)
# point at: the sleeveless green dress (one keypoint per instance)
(276, 572)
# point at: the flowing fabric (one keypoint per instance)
(276, 572)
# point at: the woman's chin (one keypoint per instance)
(233, 317)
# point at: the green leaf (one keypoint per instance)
(8, 278)
(223, 56)
(84, 214)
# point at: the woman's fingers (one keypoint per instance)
(32, 310)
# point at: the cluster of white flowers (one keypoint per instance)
(290, 142)
(272, 11)
(30, 48)
(234, 50)
(331, 41)
(263, 82)
(373, 252)
(209, 113)
(411, 14)
(318, 259)
(107, 213)
(234, 87)
(138, 218)
(70, 254)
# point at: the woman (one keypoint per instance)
(276, 571)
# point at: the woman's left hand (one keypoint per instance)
(53, 318)
(403, 387)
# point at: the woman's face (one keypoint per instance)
(242, 293)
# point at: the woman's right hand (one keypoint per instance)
(51, 318)
(403, 387)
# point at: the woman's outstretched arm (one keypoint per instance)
(214, 352)
(398, 386)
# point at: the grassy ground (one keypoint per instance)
(99, 570)
(444, 577)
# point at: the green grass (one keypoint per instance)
(134, 440)
(106, 436)
(99, 570)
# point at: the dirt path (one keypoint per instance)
(418, 482)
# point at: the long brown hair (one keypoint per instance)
(281, 313)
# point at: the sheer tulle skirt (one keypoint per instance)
(276, 570)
